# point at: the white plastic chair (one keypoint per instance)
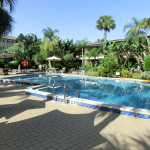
(63, 70)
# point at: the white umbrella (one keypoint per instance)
(6, 55)
(11, 62)
(53, 58)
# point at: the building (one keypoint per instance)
(88, 47)
(6, 41)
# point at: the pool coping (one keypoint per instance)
(130, 111)
(125, 110)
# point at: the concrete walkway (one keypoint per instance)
(32, 123)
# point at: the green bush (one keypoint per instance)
(105, 70)
(85, 66)
(104, 74)
(147, 63)
(124, 73)
(130, 75)
(92, 74)
(118, 70)
(109, 74)
(95, 69)
(109, 64)
(136, 76)
(114, 76)
(113, 70)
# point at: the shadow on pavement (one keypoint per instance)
(56, 130)
(11, 110)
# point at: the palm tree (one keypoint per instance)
(145, 24)
(11, 4)
(134, 29)
(79, 47)
(31, 45)
(105, 23)
(6, 21)
(49, 33)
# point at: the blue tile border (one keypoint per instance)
(93, 106)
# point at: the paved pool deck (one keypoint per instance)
(32, 123)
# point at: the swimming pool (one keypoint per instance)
(113, 91)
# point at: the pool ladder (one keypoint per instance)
(66, 89)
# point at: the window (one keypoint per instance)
(2, 41)
(8, 41)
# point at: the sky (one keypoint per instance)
(76, 19)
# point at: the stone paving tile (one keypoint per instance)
(29, 123)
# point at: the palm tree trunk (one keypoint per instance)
(105, 34)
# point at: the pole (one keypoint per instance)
(53, 92)
(82, 56)
(64, 94)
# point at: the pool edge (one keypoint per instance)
(104, 108)
(79, 102)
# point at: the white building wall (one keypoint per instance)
(5, 43)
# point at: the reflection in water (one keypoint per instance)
(109, 91)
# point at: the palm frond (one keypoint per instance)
(6, 22)
(11, 4)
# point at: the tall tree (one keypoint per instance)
(6, 21)
(134, 29)
(31, 45)
(145, 24)
(10, 3)
(49, 33)
(105, 23)
(79, 47)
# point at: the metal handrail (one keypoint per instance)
(78, 92)
(65, 87)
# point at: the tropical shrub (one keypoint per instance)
(147, 63)
(104, 74)
(130, 75)
(85, 66)
(105, 70)
(94, 69)
(109, 74)
(136, 75)
(109, 69)
(124, 73)
(109, 65)
(92, 74)
(70, 62)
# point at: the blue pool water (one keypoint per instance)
(104, 90)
